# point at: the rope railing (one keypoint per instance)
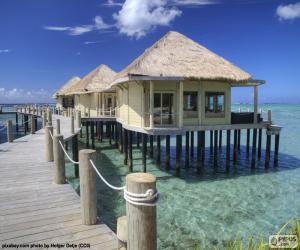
(150, 198)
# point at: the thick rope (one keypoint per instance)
(63, 148)
(150, 198)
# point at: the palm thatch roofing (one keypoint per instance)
(67, 86)
(175, 55)
(97, 80)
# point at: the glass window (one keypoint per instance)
(214, 103)
(190, 101)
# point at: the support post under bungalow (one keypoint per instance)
(220, 138)
(117, 134)
(75, 154)
(187, 149)
(239, 140)
(137, 139)
(211, 141)
(192, 144)
(121, 138)
(144, 151)
(277, 136)
(125, 146)
(130, 160)
(235, 146)
(87, 142)
(254, 140)
(158, 149)
(17, 123)
(101, 131)
(168, 158)
(259, 143)
(248, 142)
(215, 147)
(268, 148)
(199, 160)
(178, 152)
(203, 146)
(228, 135)
(93, 134)
(151, 146)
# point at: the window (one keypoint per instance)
(214, 103)
(163, 108)
(190, 104)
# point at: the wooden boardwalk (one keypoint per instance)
(34, 210)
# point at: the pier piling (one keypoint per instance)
(58, 126)
(59, 160)
(187, 149)
(9, 130)
(49, 143)
(144, 151)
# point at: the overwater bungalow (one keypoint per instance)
(92, 95)
(62, 97)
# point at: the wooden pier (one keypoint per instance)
(34, 210)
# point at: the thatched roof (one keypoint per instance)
(175, 55)
(67, 86)
(97, 80)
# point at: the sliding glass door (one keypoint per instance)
(163, 109)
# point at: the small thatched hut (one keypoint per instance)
(63, 99)
(92, 95)
(178, 83)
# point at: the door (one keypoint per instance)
(163, 109)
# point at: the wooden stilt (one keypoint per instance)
(158, 146)
(144, 151)
(248, 142)
(116, 134)
(130, 160)
(228, 135)
(109, 128)
(211, 142)
(101, 131)
(17, 123)
(215, 147)
(75, 154)
(26, 129)
(277, 136)
(199, 160)
(187, 149)
(151, 146)
(121, 138)
(178, 151)
(254, 140)
(125, 145)
(168, 164)
(137, 139)
(239, 139)
(259, 143)
(220, 138)
(192, 144)
(235, 146)
(93, 134)
(203, 146)
(268, 149)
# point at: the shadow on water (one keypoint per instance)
(217, 204)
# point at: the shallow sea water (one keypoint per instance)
(208, 210)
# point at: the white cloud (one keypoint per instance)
(288, 12)
(91, 42)
(192, 2)
(112, 3)
(17, 95)
(99, 24)
(137, 18)
(4, 51)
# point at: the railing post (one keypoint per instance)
(72, 124)
(10, 137)
(270, 116)
(44, 119)
(49, 143)
(32, 125)
(58, 126)
(88, 195)
(49, 117)
(59, 159)
(142, 230)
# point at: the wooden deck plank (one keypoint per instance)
(35, 210)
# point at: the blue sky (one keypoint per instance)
(43, 43)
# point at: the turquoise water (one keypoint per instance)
(213, 208)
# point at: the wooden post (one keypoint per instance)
(122, 232)
(235, 146)
(75, 154)
(49, 143)
(216, 148)
(187, 149)
(108, 126)
(17, 123)
(121, 139)
(228, 135)
(239, 139)
(88, 196)
(137, 139)
(58, 126)
(248, 142)
(270, 116)
(59, 160)
(255, 104)
(125, 140)
(144, 151)
(32, 125)
(259, 143)
(142, 231)
(277, 136)
(87, 139)
(72, 125)
(192, 144)
(268, 148)
(49, 117)
(44, 119)
(151, 146)
(158, 149)
(130, 160)
(254, 140)
(211, 142)
(9, 130)
(220, 138)
(26, 123)
(93, 134)
(168, 162)
(101, 131)
(178, 152)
